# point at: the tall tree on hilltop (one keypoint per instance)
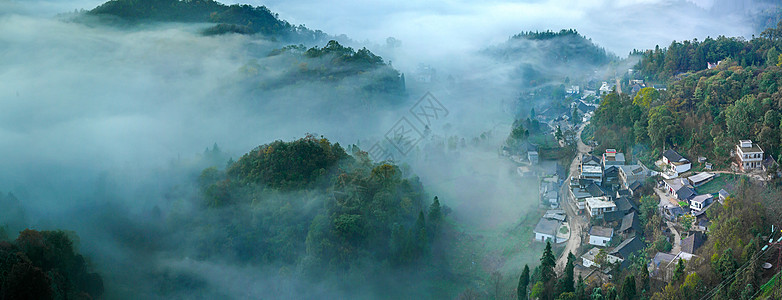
(521, 290)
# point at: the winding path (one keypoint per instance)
(578, 224)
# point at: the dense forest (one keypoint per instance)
(45, 265)
(309, 203)
(566, 54)
(703, 112)
(568, 45)
(330, 64)
(236, 18)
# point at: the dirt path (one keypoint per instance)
(677, 239)
(577, 223)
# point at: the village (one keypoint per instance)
(593, 208)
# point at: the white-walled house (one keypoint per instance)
(547, 230)
(750, 156)
(600, 236)
(597, 206)
(676, 162)
(589, 258)
(699, 202)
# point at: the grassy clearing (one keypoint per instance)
(723, 181)
(476, 253)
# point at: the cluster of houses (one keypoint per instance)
(601, 181)
(604, 188)
(603, 191)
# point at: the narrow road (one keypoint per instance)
(578, 224)
(677, 239)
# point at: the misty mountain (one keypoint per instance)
(548, 55)
(342, 70)
(310, 206)
(236, 18)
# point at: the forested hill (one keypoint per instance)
(550, 56)
(692, 56)
(566, 46)
(239, 18)
(368, 74)
(310, 204)
(703, 112)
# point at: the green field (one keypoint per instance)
(723, 181)
(476, 253)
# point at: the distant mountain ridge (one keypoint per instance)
(236, 18)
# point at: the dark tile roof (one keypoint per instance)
(624, 204)
(611, 171)
(673, 155)
(595, 190)
(584, 107)
(627, 247)
(622, 193)
(630, 221)
(586, 158)
(613, 216)
(686, 193)
(693, 242)
(673, 212)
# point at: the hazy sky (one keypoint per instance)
(457, 25)
(443, 26)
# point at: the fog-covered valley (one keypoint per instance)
(108, 131)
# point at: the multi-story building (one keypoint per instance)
(749, 156)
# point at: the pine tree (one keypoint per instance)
(569, 274)
(422, 241)
(547, 263)
(434, 211)
(628, 288)
(548, 276)
(581, 289)
(523, 283)
(679, 272)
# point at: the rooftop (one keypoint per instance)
(632, 169)
(746, 146)
(629, 246)
(558, 215)
(588, 158)
(693, 242)
(662, 257)
(619, 157)
(676, 183)
(686, 193)
(635, 185)
(674, 156)
(590, 255)
(624, 204)
(599, 202)
(601, 231)
(703, 176)
(630, 221)
(701, 198)
(595, 190)
(612, 216)
(547, 226)
(591, 169)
